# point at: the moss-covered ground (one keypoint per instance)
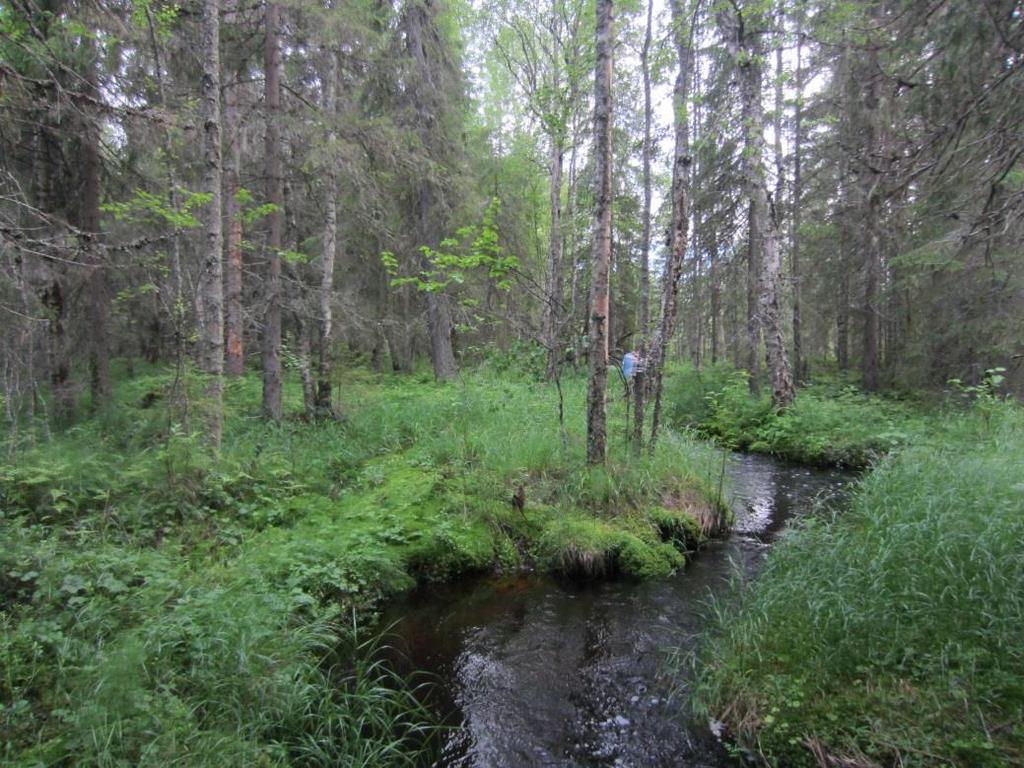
(160, 606)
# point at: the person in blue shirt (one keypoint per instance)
(630, 364)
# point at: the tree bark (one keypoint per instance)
(275, 195)
(679, 229)
(552, 320)
(747, 53)
(800, 367)
(324, 405)
(234, 361)
(597, 386)
(211, 347)
(716, 293)
(439, 316)
(869, 111)
(97, 282)
(753, 347)
(428, 99)
(640, 381)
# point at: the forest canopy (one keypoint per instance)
(228, 183)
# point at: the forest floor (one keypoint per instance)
(892, 633)
(156, 602)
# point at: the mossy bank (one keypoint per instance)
(160, 605)
(832, 422)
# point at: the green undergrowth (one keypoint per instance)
(161, 606)
(892, 634)
(831, 422)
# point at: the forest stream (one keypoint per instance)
(535, 672)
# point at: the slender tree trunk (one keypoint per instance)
(715, 289)
(597, 387)
(211, 354)
(843, 313)
(234, 361)
(800, 366)
(552, 320)
(753, 318)
(679, 229)
(323, 384)
(55, 304)
(697, 330)
(97, 283)
(778, 126)
(569, 322)
(747, 52)
(640, 381)
(275, 195)
(872, 278)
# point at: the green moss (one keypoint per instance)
(585, 547)
(680, 527)
(643, 560)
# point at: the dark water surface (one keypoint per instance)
(541, 673)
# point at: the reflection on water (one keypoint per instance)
(539, 673)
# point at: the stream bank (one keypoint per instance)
(537, 671)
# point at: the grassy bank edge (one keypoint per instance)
(892, 633)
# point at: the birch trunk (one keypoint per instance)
(679, 229)
(323, 383)
(597, 386)
(799, 363)
(640, 382)
(552, 321)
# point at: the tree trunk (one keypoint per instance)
(234, 362)
(275, 195)
(871, 177)
(56, 307)
(843, 313)
(439, 316)
(679, 229)
(753, 319)
(640, 381)
(747, 52)
(323, 385)
(800, 367)
(428, 98)
(715, 289)
(97, 283)
(597, 387)
(552, 320)
(211, 343)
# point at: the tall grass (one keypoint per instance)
(160, 605)
(895, 632)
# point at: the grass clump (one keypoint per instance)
(893, 634)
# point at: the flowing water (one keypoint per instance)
(535, 672)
